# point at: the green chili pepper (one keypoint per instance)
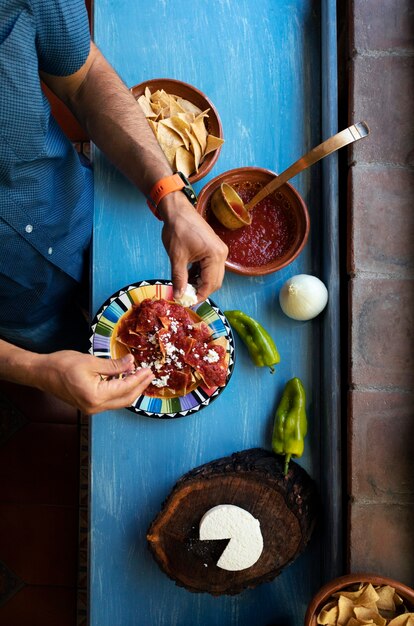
(259, 343)
(290, 424)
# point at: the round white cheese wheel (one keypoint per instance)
(227, 521)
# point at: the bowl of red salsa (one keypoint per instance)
(280, 223)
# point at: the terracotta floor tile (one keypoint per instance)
(40, 464)
(40, 606)
(40, 543)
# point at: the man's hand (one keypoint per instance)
(188, 239)
(92, 384)
(86, 382)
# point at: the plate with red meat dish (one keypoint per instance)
(190, 350)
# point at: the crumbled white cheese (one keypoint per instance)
(161, 382)
(227, 521)
(211, 356)
(189, 297)
(170, 348)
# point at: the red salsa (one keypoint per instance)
(268, 237)
(176, 344)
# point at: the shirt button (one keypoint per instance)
(29, 228)
(50, 250)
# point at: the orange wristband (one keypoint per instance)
(162, 188)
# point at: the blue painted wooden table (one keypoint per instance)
(269, 67)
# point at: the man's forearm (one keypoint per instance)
(114, 121)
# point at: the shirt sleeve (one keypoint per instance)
(62, 35)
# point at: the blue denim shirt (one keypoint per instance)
(45, 192)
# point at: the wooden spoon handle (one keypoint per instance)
(349, 135)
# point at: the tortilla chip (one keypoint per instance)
(366, 614)
(153, 126)
(406, 619)
(186, 117)
(212, 144)
(161, 97)
(145, 105)
(368, 597)
(199, 130)
(175, 107)
(184, 161)
(180, 127)
(157, 108)
(188, 106)
(345, 610)
(328, 615)
(356, 622)
(364, 596)
(195, 149)
(386, 596)
(169, 142)
(220, 341)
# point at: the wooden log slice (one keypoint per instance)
(253, 480)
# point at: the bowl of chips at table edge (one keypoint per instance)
(189, 349)
(279, 228)
(363, 599)
(185, 122)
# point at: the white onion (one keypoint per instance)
(303, 297)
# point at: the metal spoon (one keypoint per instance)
(230, 209)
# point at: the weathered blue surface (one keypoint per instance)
(259, 61)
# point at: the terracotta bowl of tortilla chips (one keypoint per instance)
(185, 122)
(365, 597)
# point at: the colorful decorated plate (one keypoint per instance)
(104, 328)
